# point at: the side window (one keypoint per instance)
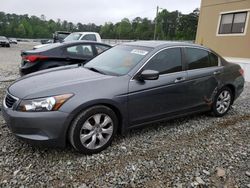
(166, 61)
(101, 48)
(214, 60)
(90, 37)
(80, 50)
(197, 58)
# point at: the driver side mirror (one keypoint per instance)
(149, 75)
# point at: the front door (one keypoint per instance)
(155, 99)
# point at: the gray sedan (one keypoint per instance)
(125, 87)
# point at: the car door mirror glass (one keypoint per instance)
(149, 75)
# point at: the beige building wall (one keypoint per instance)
(230, 45)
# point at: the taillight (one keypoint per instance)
(241, 72)
(33, 58)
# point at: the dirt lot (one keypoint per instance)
(10, 58)
(195, 151)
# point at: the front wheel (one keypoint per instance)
(93, 130)
(222, 102)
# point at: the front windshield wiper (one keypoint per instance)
(95, 70)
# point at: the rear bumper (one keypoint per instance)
(42, 128)
(27, 68)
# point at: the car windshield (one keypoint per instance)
(73, 36)
(3, 38)
(118, 60)
(62, 36)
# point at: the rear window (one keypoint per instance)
(199, 58)
(214, 60)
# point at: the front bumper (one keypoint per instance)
(42, 128)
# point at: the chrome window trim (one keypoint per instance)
(184, 46)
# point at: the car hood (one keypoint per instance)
(55, 81)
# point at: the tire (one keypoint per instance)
(222, 102)
(7, 45)
(93, 130)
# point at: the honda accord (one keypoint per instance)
(130, 85)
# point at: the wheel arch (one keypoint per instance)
(118, 111)
(232, 88)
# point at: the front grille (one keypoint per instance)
(10, 101)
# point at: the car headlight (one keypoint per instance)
(43, 104)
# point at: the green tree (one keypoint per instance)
(21, 31)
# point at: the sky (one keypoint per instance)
(95, 11)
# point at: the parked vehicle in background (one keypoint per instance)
(59, 36)
(46, 41)
(4, 42)
(13, 40)
(60, 54)
(125, 87)
(91, 36)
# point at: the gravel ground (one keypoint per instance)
(195, 151)
(10, 59)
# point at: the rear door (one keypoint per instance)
(203, 68)
(79, 53)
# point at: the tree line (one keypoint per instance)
(170, 26)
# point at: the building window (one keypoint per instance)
(233, 23)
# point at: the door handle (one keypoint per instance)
(217, 72)
(180, 79)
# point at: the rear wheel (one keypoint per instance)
(93, 130)
(222, 102)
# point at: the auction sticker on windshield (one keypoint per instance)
(139, 52)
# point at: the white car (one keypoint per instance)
(91, 36)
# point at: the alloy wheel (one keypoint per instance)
(223, 102)
(96, 131)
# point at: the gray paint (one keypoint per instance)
(138, 102)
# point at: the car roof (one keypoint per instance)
(85, 32)
(53, 46)
(67, 32)
(82, 42)
(160, 44)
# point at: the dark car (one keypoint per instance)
(4, 42)
(125, 87)
(60, 54)
(59, 36)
